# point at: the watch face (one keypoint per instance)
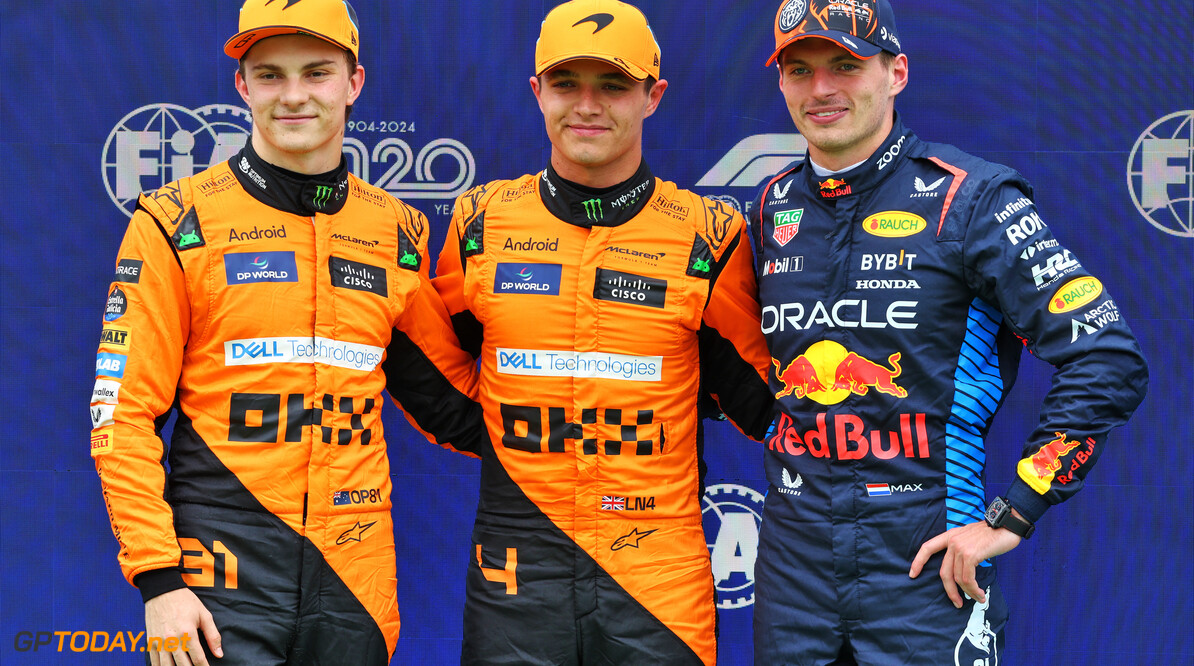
(996, 511)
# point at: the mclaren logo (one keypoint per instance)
(601, 20)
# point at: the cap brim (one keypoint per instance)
(634, 72)
(273, 31)
(859, 47)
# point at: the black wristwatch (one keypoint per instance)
(999, 514)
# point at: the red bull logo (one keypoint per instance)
(850, 438)
(859, 374)
(799, 378)
(828, 374)
(1040, 469)
(834, 187)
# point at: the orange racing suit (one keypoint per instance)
(598, 317)
(259, 304)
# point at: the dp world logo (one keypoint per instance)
(1161, 174)
(158, 143)
(731, 515)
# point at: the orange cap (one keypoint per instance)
(330, 20)
(606, 30)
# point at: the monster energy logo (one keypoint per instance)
(701, 265)
(409, 259)
(322, 194)
(593, 209)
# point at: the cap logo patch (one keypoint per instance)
(601, 20)
(791, 15)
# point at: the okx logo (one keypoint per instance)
(1161, 174)
(731, 515)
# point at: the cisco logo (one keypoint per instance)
(731, 515)
(159, 143)
(1161, 174)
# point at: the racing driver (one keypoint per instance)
(601, 301)
(924, 272)
(256, 300)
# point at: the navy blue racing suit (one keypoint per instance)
(897, 297)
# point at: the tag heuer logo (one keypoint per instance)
(787, 223)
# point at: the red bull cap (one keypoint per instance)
(863, 27)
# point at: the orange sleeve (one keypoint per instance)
(137, 371)
(734, 356)
(465, 235)
(428, 375)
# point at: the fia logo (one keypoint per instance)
(159, 143)
(731, 515)
(1161, 174)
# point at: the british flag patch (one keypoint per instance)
(613, 503)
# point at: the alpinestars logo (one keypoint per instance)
(632, 539)
(354, 533)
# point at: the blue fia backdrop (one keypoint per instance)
(1093, 102)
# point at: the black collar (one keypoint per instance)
(870, 173)
(288, 191)
(589, 207)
